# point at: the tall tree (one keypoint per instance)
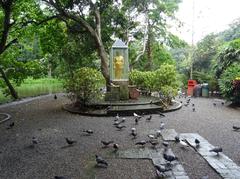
(90, 17)
(6, 7)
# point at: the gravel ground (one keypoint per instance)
(44, 119)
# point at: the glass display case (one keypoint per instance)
(119, 66)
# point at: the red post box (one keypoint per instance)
(191, 84)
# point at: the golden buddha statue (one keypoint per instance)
(118, 65)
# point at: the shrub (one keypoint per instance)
(163, 80)
(226, 82)
(166, 81)
(85, 85)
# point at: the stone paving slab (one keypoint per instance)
(169, 134)
(222, 164)
(156, 155)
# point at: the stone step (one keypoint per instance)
(222, 164)
(156, 155)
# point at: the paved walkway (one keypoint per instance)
(44, 119)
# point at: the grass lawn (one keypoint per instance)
(35, 87)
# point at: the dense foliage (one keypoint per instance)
(85, 85)
(162, 80)
(228, 86)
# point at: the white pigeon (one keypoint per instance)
(136, 115)
(162, 125)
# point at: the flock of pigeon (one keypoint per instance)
(153, 140)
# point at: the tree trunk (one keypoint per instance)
(9, 85)
(149, 54)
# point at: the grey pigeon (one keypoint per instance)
(158, 133)
(134, 134)
(88, 131)
(117, 117)
(154, 143)
(136, 120)
(142, 143)
(115, 146)
(11, 125)
(106, 143)
(236, 128)
(149, 118)
(165, 144)
(162, 169)
(120, 127)
(34, 140)
(197, 142)
(193, 105)
(59, 177)
(169, 158)
(119, 122)
(69, 141)
(216, 150)
(101, 161)
(177, 139)
(161, 115)
(193, 109)
(162, 125)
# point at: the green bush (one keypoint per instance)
(163, 80)
(226, 82)
(85, 85)
(166, 81)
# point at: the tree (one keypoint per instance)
(228, 56)
(6, 10)
(157, 14)
(90, 21)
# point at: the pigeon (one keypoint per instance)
(162, 125)
(236, 128)
(34, 140)
(59, 177)
(106, 143)
(193, 105)
(142, 143)
(101, 161)
(136, 121)
(216, 150)
(165, 144)
(11, 125)
(120, 127)
(70, 142)
(161, 115)
(169, 158)
(88, 131)
(177, 139)
(136, 115)
(154, 143)
(149, 118)
(134, 134)
(214, 104)
(55, 96)
(197, 142)
(158, 133)
(117, 117)
(150, 136)
(115, 146)
(162, 169)
(119, 122)
(193, 109)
